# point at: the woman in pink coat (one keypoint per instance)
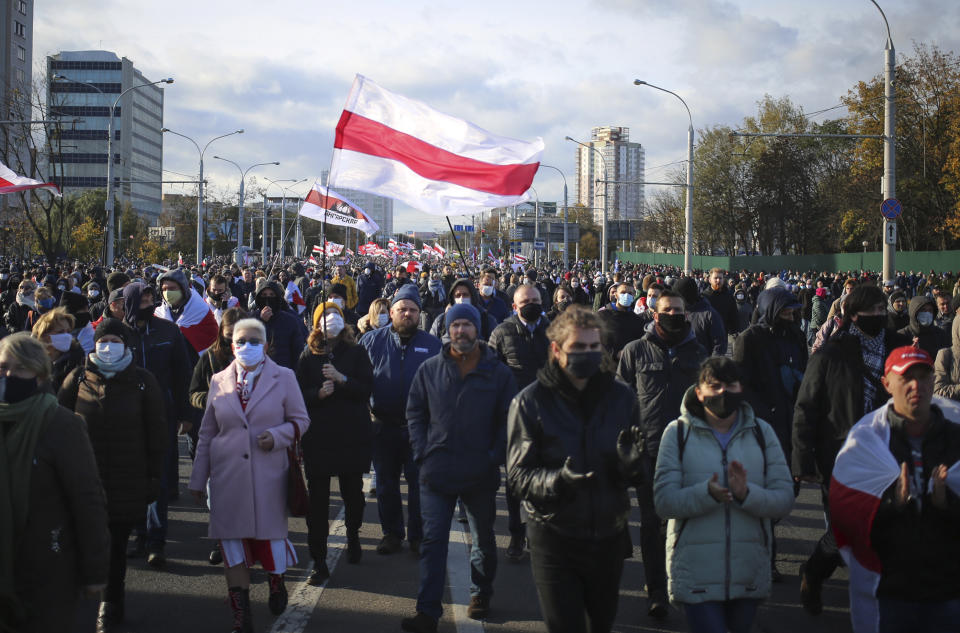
(252, 408)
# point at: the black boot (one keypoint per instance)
(278, 594)
(354, 550)
(240, 605)
(109, 616)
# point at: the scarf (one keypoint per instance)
(246, 381)
(109, 370)
(873, 350)
(21, 425)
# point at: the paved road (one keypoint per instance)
(190, 595)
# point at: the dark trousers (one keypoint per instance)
(119, 534)
(653, 538)
(514, 516)
(735, 616)
(318, 525)
(437, 508)
(391, 458)
(825, 557)
(578, 581)
(157, 522)
(900, 616)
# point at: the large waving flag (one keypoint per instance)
(322, 204)
(864, 470)
(10, 182)
(393, 146)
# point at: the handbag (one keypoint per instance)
(298, 501)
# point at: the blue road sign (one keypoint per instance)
(539, 245)
(891, 208)
(457, 227)
(469, 228)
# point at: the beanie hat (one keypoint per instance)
(116, 280)
(110, 325)
(822, 293)
(408, 292)
(323, 307)
(339, 289)
(687, 288)
(462, 311)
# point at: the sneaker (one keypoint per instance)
(157, 559)
(810, 592)
(479, 607)
(420, 623)
(657, 609)
(515, 550)
(278, 594)
(390, 544)
(319, 575)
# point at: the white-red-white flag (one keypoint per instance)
(439, 250)
(325, 205)
(393, 146)
(412, 266)
(520, 258)
(294, 298)
(10, 182)
(333, 249)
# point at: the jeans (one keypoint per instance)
(825, 557)
(157, 511)
(735, 616)
(391, 458)
(653, 537)
(900, 616)
(578, 581)
(119, 534)
(437, 509)
(318, 523)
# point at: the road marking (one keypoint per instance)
(303, 599)
(458, 574)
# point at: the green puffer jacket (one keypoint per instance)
(718, 552)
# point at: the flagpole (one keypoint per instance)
(457, 243)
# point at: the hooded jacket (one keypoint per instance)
(947, 367)
(930, 337)
(719, 551)
(194, 317)
(723, 302)
(286, 334)
(773, 357)
(897, 320)
(394, 366)
(487, 322)
(706, 322)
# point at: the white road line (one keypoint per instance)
(303, 599)
(458, 574)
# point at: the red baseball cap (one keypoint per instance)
(903, 358)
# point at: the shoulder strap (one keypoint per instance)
(758, 433)
(681, 438)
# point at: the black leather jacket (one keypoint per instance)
(550, 421)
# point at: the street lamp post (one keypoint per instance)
(109, 206)
(243, 177)
(536, 226)
(283, 211)
(603, 232)
(889, 149)
(688, 254)
(566, 258)
(200, 183)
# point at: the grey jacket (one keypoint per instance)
(947, 367)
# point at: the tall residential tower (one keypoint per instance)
(611, 147)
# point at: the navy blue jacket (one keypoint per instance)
(458, 426)
(394, 367)
(496, 308)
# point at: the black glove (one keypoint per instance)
(630, 453)
(570, 480)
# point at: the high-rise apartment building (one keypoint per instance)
(610, 147)
(380, 209)
(16, 87)
(81, 88)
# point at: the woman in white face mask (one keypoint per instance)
(336, 378)
(54, 330)
(376, 317)
(254, 413)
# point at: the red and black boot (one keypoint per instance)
(278, 594)
(240, 604)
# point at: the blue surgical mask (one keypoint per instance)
(625, 299)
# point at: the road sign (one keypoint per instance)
(539, 245)
(457, 227)
(891, 209)
(468, 228)
(890, 233)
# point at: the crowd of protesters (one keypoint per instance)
(712, 396)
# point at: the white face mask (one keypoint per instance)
(924, 318)
(93, 294)
(383, 319)
(331, 324)
(466, 300)
(486, 291)
(248, 354)
(574, 283)
(61, 342)
(338, 301)
(110, 352)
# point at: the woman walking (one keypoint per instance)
(54, 329)
(721, 478)
(53, 522)
(254, 409)
(123, 409)
(336, 379)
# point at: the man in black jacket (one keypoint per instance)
(841, 384)
(721, 299)
(521, 343)
(660, 367)
(286, 333)
(622, 324)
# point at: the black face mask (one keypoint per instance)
(672, 324)
(531, 312)
(584, 364)
(216, 296)
(272, 302)
(80, 320)
(17, 389)
(143, 314)
(871, 325)
(723, 405)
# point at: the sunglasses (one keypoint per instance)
(243, 341)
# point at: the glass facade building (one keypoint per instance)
(91, 82)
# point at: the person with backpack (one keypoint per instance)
(721, 479)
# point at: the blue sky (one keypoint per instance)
(282, 69)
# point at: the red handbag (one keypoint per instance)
(298, 500)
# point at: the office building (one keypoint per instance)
(16, 87)
(379, 209)
(610, 147)
(81, 88)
